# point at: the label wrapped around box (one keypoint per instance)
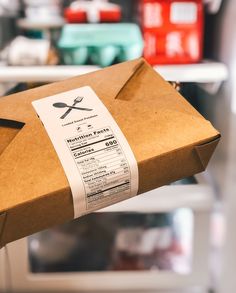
(168, 137)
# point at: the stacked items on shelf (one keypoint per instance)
(99, 43)
(172, 30)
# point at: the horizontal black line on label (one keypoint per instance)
(91, 143)
(94, 152)
(95, 200)
(108, 189)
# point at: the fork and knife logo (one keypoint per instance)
(70, 108)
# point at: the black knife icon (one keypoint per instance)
(64, 105)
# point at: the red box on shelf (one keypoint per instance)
(92, 11)
(172, 30)
(79, 16)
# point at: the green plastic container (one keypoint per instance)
(100, 43)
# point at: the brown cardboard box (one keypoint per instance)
(169, 138)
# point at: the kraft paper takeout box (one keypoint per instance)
(169, 138)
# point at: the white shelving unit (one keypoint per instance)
(198, 197)
(205, 72)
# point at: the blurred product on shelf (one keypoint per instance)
(100, 44)
(42, 10)
(42, 19)
(145, 242)
(23, 51)
(92, 11)
(115, 242)
(172, 30)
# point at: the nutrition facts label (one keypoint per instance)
(98, 161)
(102, 165)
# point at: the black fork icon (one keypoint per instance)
(64, 105)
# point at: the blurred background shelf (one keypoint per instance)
(198, 197)
(205, 72)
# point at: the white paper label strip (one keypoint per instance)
(97, 159)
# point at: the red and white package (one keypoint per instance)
(172, 30)
(93, 12)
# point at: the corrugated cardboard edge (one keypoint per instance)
(205, 151)
(3, 218)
